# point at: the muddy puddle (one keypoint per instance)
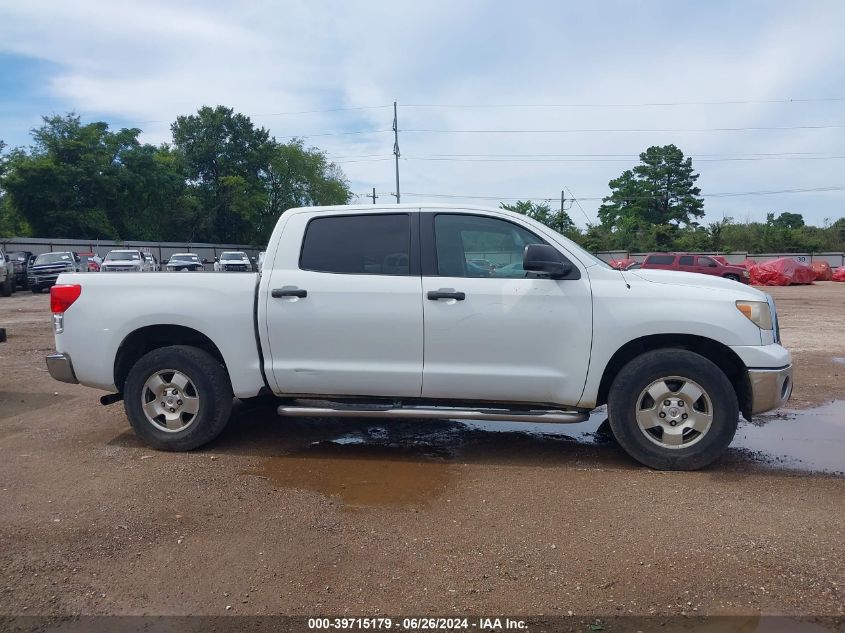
(809, 439)
(410, 463)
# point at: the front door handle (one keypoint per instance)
(434, 295)
(278, 293)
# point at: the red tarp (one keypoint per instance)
(748, 263)
(781, 272)
(839, 274)
(823, 271)
(621, 264)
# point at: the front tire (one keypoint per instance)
(178, 398)
(7, 287)
(673, 409)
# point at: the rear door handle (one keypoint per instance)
(434, 295)
(278, 293)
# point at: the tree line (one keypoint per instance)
(220, 179)
(224, 179)
(657, 206)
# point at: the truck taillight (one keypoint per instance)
(62, 296)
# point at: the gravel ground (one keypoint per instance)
(366, 517)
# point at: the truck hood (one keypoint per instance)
(697, 280)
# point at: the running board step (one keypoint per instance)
(439, 413)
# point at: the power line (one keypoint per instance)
(703, 195)
(620, 105)
(579, 204)
(612, 160)
(636, 130)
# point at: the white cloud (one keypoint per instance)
(150, 61)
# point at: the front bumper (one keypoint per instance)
(43, 280)
(770, 388)
(61, 368)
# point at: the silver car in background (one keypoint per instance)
(124, 260)
(233, 261)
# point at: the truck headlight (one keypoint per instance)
(758, 312)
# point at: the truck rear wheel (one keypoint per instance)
(178, 398)
(673, 409)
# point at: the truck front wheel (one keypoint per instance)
(673, 409)
(178, 398)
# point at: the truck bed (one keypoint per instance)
(113, 306)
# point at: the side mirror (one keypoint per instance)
(542, 258)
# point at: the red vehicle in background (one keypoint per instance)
(91, 261)
(704, 264)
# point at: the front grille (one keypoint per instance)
(235, 267)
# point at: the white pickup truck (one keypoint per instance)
(381, 312)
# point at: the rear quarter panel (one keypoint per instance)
(114, 305)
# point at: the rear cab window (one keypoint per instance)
(377, 244)
(660, 260)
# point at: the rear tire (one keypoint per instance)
(690, 432)
(178, 398)
(732, 277)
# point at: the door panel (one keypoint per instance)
(511, 338)
(357, 332)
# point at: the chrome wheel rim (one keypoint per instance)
(674, 412)
(170, 401)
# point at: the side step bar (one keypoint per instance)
(438, 413)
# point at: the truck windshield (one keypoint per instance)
(53, 258)
(233, 256)
(116, 256)
(185, 257)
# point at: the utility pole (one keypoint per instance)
(396, 148)
(562, 200)
(373, 196)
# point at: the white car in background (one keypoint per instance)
(124, 260)
(152, 262)
(233, 261)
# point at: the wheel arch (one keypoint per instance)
(146, 339)
(719, 353)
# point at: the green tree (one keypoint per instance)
(68, 184)
(299, 177)
(556, 219)
(785, 220)
(227, 159)
(660, 190)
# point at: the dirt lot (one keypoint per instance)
(367, 517)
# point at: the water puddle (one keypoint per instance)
(809, 439)
(412, 462)
(361, 474)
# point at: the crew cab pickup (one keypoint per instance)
(692, 263)
(377, 312)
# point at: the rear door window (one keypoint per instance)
(686, 260)
(378, 244)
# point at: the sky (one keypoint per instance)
(497, 100)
